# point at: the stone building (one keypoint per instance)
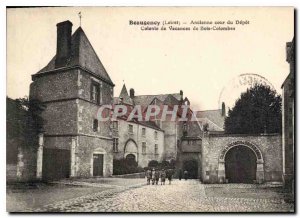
(142, 141)
(73, 85)
(288, 126)
(170, 133)
(76, 144)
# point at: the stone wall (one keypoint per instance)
(86, 115)
(170, 139)
(268, 145)
(85, 148)
(55, 86)
(288, 110)
(137, 138)
(60, 118)
(27, 164)
(84, 82)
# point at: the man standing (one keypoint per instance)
(180, 174)
(148, 176)
(156, 176)
(153, 176)
(169, 174)
(163, 177)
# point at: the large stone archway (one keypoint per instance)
(131, 148)
(254, 148)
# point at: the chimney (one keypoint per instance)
(63, 49)
(181, 94)
(223, 109)
(131, 93)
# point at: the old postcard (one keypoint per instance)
(150, 109)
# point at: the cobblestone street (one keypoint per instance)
(180, 196)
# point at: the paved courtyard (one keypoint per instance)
(180, 196)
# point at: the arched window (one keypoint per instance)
(95, 125)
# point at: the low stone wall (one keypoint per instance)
(130, 176)
(26, 166)
(11, 172)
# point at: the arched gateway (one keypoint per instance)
(131, 150)
(241, 162)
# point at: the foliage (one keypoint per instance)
(165, 164)
(125, 166)
(161, 165)
(153, 163)
(258, 110)
(24, 120)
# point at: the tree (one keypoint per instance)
(153, 163)
(258, 110)
(24, 120)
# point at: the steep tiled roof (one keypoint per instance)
(83, 55)
(145, 100)
(213, 118)
(150, 124)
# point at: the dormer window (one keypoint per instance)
(95, 92)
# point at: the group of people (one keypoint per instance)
(155, 174)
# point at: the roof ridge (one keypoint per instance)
(90, 62)
(87, 39)
(157, 94)
(209, 110)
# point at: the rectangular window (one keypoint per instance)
(115, 125)
(115, 145)
(143, 147)
(95, 92)
(130, 128)
(144, 132)
(95, 125)
(155, 135)
(156, 149)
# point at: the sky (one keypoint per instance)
(201, 63)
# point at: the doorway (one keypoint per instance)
(240, 165)
(191, 166)
(97, 164)
(56, 164)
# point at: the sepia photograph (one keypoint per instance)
(150, 109)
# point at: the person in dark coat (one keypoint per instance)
(156, 175)
(169, 175)
(148, 176)
(180, 174)
(163, 177)
(153, 176)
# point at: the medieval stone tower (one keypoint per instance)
(73, 86)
